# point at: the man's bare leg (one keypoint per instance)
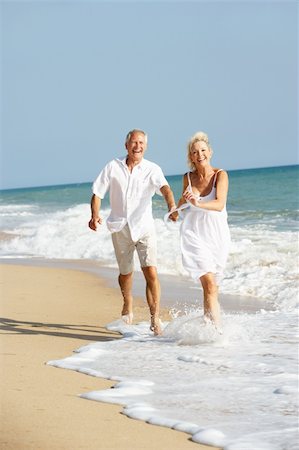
(153, 293)
(125, 283)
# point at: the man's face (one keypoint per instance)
(136, 147)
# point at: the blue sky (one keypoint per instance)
(77, 75)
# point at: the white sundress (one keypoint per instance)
(205, 238)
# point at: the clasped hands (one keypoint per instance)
(174, 214)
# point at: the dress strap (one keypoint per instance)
(215, 177)
(189, 181)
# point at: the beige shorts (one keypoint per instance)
(125, 247)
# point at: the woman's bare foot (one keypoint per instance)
(208, 319)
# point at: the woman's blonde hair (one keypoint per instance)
(197, 137)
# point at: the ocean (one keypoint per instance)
(238, 390)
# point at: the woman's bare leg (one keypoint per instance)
(210, 293)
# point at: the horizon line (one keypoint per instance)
(168, 175)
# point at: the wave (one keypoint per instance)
(263, 262)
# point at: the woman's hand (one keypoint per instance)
(190, 197)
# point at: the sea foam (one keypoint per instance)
(235, 390)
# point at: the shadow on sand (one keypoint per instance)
(83, 332)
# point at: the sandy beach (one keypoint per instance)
(47, 313)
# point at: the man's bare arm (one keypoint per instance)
(95, 205)
(169, 198)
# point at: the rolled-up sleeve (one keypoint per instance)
(102, 182)
(159, 180)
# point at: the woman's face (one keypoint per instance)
(200, 153)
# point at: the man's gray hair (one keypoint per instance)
(128, 137)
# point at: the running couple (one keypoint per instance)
(132, 181)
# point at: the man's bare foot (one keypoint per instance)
(127, 318)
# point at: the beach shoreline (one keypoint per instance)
(176, 292)
(48, 313)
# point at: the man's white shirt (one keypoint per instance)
(130, 194)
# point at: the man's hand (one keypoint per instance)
(93, 223)
(174, 216)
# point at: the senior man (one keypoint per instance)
(132, 181)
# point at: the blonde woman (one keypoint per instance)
(205, 236)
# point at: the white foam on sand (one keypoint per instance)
(235, 390)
